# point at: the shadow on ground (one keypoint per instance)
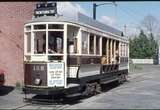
(60, 99)
(4, 90)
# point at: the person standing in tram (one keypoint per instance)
(44, 43)
(117, 58)
(104, 59)
(112, 59)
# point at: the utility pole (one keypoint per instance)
(125, 30)
(96, 5)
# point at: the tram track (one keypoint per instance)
(21, 106)
(47, 103)
(42, 106)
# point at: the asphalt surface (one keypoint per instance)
(142, 91)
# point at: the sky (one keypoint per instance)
(130, 14)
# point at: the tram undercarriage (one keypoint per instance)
(84, 86)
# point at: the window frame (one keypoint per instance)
(86, 38)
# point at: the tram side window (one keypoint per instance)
(39, 42)
(97, 45)
(55, 42)
(104, 50)
(28, 38)
(72, 35)
(28, 28)
(40, 26)
(84, 42)
(91, 44)
(72, 45)
(124, 50)
(117, 52)
(55, 26)
(121, 49)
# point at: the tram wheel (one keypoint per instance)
(86, 91)
(90, 89)
(120, 79)
(125, 77)
(98, 88)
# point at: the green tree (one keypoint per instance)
(143, 46)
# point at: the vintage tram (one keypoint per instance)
(64, 55)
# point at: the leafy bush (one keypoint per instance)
(143, 46)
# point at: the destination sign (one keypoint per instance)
(43, 12)
(46, 8)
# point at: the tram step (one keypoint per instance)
(73, 95)
(72, 85)
(109, 81)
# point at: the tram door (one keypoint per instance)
(72, 50)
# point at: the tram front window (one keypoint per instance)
(28, 35)
(55, 42)
(40, 42)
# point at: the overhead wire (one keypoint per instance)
(130, 13)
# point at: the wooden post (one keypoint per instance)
(79, 42)
(100, 46)
(88, 43)
(79, 46)
(119, 51)
(94, 44)
(106, 46)
(107, 50)
(47, 40)
(125, 49)
(128, 55)
(65, 54)
(32, 40)
(114, 49)
(111, 51)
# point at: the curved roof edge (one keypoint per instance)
(78, 18)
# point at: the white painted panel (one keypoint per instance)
(123, 66)
(72, 72)
(39, 58)
(142, 61)
(55, 74)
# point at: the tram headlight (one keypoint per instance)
(37, 81)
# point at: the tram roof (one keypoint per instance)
(79, 19)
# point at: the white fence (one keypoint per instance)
(142, 61)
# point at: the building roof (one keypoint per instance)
(79, 19)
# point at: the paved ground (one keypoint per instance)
(142, 91)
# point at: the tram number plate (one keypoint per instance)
(55, 74)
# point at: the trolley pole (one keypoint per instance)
(96, 5)
(94, 11)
